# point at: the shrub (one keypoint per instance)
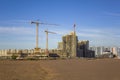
(14, 57)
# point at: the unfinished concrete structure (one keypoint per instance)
(71, 47)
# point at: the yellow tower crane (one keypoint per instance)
(46, 31)
(37, 24)
(37, 49)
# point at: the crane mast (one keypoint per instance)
(37, 49)
(74, 42)
(37, 31)
(46, 31)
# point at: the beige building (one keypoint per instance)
(60, 45)
(114, 51)
(69, 45)
(3, 52)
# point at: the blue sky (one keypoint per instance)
(96, 20)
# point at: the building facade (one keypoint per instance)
(83, 49)
(69, 44)
(71, 47)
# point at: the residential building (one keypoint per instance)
(69, 43)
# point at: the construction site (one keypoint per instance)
(70, 47)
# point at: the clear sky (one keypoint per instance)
(96, 20)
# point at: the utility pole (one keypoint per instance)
(46, 31)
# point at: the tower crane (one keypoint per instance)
(74, 28)
(37, 31)
(46, 31)
(74, 43)
(37, 24)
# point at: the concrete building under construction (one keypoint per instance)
(71, 47)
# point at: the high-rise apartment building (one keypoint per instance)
(83, 47)
(69, 43)
(71, 47)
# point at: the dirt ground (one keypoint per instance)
(72, 69)
(22, 70)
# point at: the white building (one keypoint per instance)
(98, 50)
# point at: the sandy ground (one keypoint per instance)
(22, 70)
(74, 69)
